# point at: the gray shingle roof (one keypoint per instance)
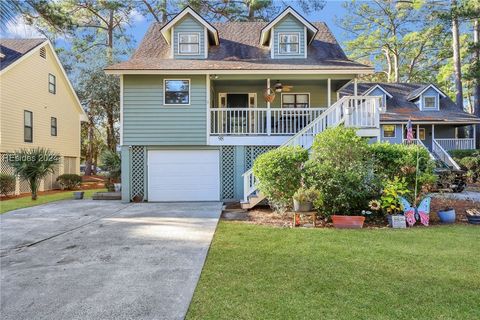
(400, 108)
(14, 49)
(239, 49)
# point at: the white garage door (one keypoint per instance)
(183, 175)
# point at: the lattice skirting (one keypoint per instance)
(137, 172)
(228, 172)
(252, 152)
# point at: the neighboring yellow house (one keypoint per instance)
(38, 106)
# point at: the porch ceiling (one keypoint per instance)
(273, 77)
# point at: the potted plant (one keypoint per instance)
(389, 200)
(303, 199)
(446, 213)
(78, 195)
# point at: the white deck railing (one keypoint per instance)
(443, 155)
(343, 111)
(456, 144)
(261, 121)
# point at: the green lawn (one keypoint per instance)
(9, 205)
(256, 272)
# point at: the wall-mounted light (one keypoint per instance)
(213, 76)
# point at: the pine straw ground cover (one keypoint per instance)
(263, 272)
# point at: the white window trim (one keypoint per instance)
(283, 93)
(176, 104)
(290, 53)
(189, 53)
(424, 104)
(394, 131)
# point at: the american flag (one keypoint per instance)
(409, 131)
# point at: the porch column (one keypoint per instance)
(329, 93)
(269, 112)
(433, 133)
(474, 136)
(355, 87)
(418, 132)
(208, 101)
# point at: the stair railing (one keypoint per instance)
(443, 155)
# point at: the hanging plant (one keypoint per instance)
(269, 95)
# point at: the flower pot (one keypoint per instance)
(117, 187)
(447, 216)
(78, 195)
(348, 222)
(302, 206)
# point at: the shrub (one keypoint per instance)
(392, 190)
(342, 170)
(69, 181)
(459, 154)
(7, 184)
(472, 165)
(279, 174)
(398, 160)
(33, 165)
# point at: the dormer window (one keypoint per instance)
(429, 102)
(188, 43)
(289, 43)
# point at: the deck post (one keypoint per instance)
(269, 112)
(474, 136)
(329, 93)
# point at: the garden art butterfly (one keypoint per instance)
(413, 214)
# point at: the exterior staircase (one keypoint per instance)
(441, 157)
(360, 112)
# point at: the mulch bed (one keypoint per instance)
(263, 215)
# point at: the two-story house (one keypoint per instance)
(200, 101)
(38, 106)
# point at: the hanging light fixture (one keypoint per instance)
(278, 86)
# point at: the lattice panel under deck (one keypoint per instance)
(138, 172)
(252, 152)
(228, 172)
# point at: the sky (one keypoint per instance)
(332, 10)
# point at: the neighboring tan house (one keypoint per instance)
(38, 106)
(200, 101)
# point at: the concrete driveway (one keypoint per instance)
(103, 259)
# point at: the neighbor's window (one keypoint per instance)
(295, 100)
(177, 92)
(52, 83)
(27, 126)
(429, 102)
(53, 126)
(288, 43)
(389, 131)
(188, 43)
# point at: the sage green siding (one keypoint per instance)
(190, 25)
(146, 121)
(289, 24)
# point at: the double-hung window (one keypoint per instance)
(176, 92)
(288, 43)
(389, 131)
(52, 83)
(295, 100)
(429, 102)
(188, 43)
(27, 126)
(53, 126)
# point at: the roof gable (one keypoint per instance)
(311, 29)
(380, 88)
(14, 50)
(166, 29)
(417, 93)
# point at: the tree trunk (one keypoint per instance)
(34, 188)
(89, 155)
(456, 55)
(111, 141)
(476, 81)
(389, 64)
(164, 12)
(396, 67)
(251, 11)
(110, 38)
